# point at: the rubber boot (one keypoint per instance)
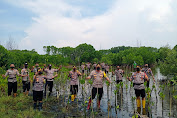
(99, 104)
(88, 107)
(139, 110)
(144, 111)
(34, 106)
(144, 103)
(72, 98)
(138, 103)
(27, 92)
(15, 95)
(40, 106)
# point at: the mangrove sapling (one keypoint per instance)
(162, 96)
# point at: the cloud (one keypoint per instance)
(62, 24)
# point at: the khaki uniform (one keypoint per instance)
(50, 74)
(138, 80)
(12, 81)
(26, 79)
(119, 74)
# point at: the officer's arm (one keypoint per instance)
(106, 77)
(130, 79)
(5, 74)
(18, 73)
(90, 76)
(146, 77)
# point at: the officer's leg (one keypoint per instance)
(138, 102)
(50, 87)
(15, 89)
(100, 93)
(28, 88)
(9, 88)
(40, 100)
(24, 87)
(35, 99)
(46, 84)
(94, 91)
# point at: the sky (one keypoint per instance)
(101, 23)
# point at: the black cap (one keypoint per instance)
(50, 64)
(26, 63)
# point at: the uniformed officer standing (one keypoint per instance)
(103, 66)
(106, 68)
(138, 80)
(35, 69)
(38, 88)
(88, 67)
(119, 74)
(94, 66)
(83, 67)
(74, 74)
(12, 81)
(50, 77)
(25, 79)
(97, 76)
(148, 72)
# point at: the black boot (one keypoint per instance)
(34, 106)
(40, 106)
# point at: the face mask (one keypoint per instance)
(12, 67)
(50, 67)
(138, 69)
(146, 66)
(74, 69)
(98, 68)
(40, 73)
(26, 66)
(117, 68)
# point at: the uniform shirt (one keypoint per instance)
(38, 83)
(103, 65)
(138, 80)
(50, 73)
(97, 78)
(74, 77)
(94, 65)
(25, 71)
(35, 70)
(107, 68)
(148, 71)
(82, 67)
(88, 65)
(12, 75)
(119, 74)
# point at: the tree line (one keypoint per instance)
(120, 55)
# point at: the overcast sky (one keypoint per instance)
(101, 23)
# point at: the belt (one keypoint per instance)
(138, 83)
(12, 78)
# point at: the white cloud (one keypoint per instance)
(61, 24)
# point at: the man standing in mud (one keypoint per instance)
(50, 77)
(12, 81)
(138, 80)
(74, 75)
(119, 74)
(25, 79)
(97, 76)
(148, 72)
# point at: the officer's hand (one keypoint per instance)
(3, 76)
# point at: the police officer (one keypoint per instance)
(88, 66)
(148, 72)
(119, 74)
(138, 80)
(50, 77)
(25, 79)
(35, 69)
(97, 76)
(12, 81)
(106, 68)
(94, 66)
(74, 74)
(103, 66)
(38, 88)
(83, 67)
